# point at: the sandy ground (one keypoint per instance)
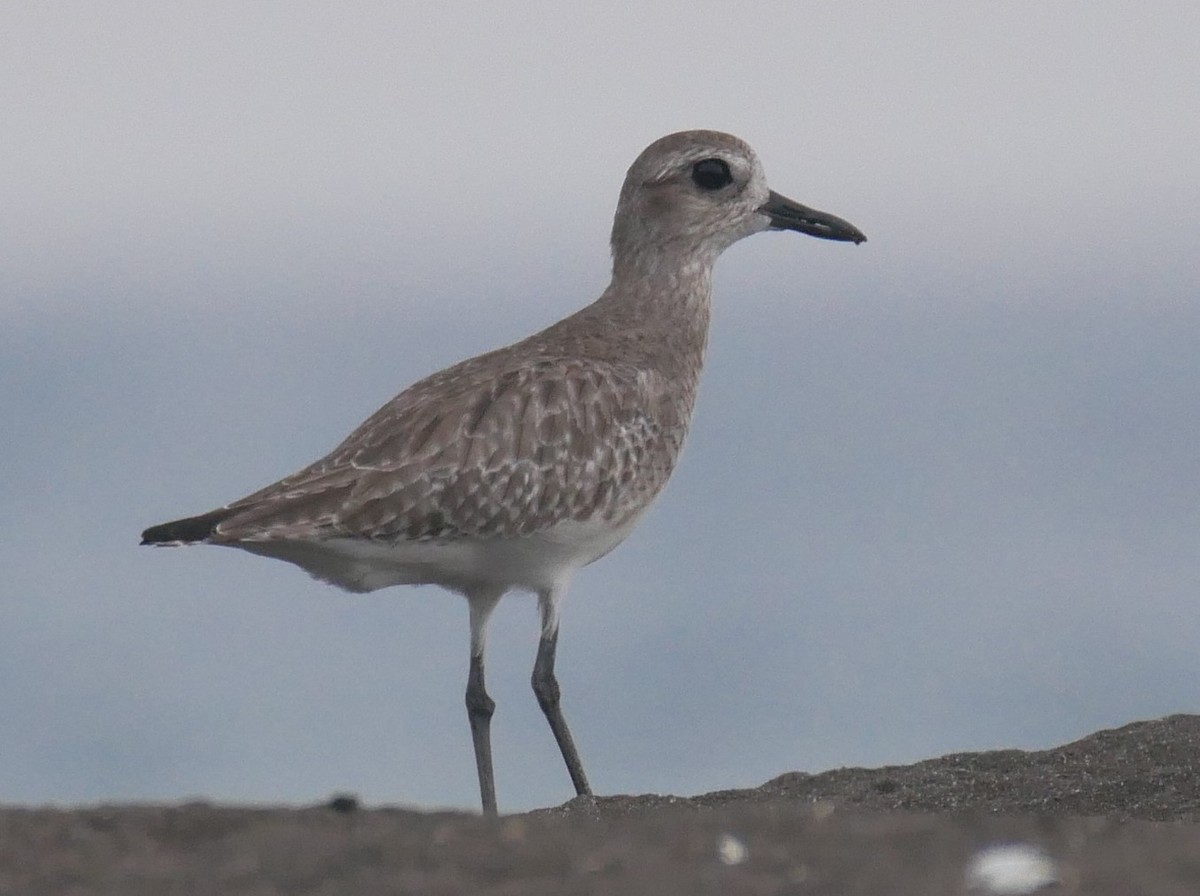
(1115, 813)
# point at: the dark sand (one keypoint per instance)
(1117, 813)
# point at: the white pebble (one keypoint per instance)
(731, 850)
(1011, 869)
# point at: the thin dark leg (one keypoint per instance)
(479, 711)
(545, 686)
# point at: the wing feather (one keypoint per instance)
(465, 453)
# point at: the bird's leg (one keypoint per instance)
(479, 705)
(479, 711)
(545, 686)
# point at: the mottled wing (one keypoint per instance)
(467, 453)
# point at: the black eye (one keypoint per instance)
(711, 174)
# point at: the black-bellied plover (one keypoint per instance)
(514, 469)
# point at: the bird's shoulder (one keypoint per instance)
(517, 404)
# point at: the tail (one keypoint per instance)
(187, 531)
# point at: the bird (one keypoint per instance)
(514, 469)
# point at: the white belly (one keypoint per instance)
(534, 563)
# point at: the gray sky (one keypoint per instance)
(942, 492)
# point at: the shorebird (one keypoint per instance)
(514, 469)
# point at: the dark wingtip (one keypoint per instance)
(186, 531)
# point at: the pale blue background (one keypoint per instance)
(943, 489)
